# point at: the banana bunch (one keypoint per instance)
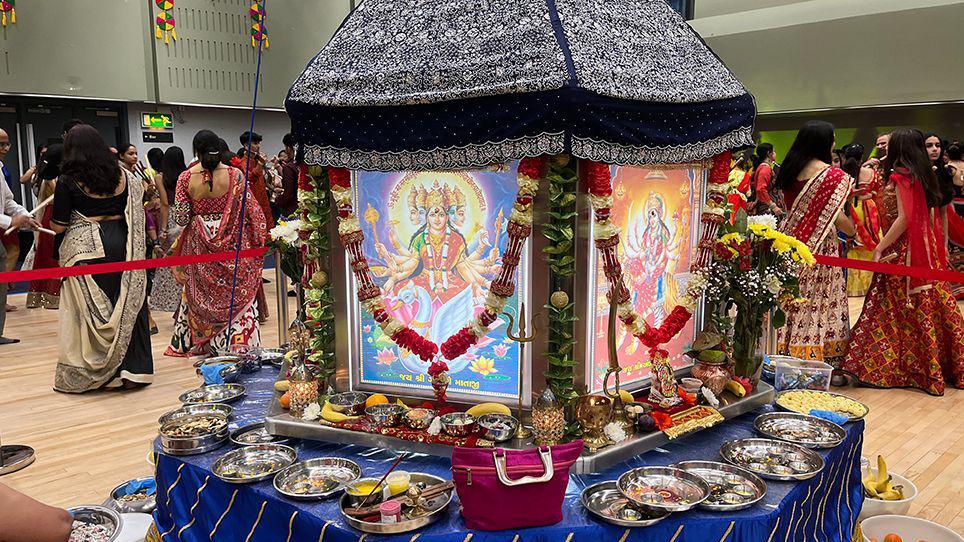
(881, 486)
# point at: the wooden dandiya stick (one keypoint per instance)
(33, 213)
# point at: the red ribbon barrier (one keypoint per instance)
(116, 267)
(892, 269)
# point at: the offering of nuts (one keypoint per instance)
(81, 531)
(193, 426)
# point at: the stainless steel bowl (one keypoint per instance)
(413, 420)
(99, 515)
(385, 415)
(190, 445)
(498, 427)
(141, 506)
(436, 510)
(253, 463)
(783, 394)
(215, 393)
(253, 434)
(316, 479)
(227, 358)
(604, 501)
(731, 488)
(801, 429)
(199, 408)
(349, 403)
(356, 499)
(229, 374)
(458, 424)
(771, 459)
(273, 356)
(686, 489)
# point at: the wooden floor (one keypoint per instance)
(86, 444)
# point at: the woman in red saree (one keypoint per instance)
(816, 194)
(46, 292)
(910, 333)
(208, 203)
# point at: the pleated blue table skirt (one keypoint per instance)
(194, 505)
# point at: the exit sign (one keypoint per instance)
(157, 120)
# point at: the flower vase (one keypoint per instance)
(747, 344)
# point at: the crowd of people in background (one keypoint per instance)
(902, 205)
(102, 204)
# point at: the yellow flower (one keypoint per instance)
(484, 366)
(781, 246)
(735, 236)
(760, 230)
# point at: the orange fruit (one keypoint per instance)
(893, 538)
(286, 400)
(376, 399)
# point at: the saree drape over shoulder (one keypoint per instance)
(818, 329)
(212, 226)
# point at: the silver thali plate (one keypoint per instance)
(273, 356)
(437, 507)
(852, 417)
(662, 489)
(215, 393)
(196, 442)
(316, 479)
(198, 408)
(773, 459)
(253, 434)
(126, 506)
(605, 502)
(731, 488)
(253, 463)
(801, 429)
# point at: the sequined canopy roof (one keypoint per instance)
(450, 84)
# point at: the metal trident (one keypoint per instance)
(521, 432)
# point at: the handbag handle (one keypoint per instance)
(501, 471)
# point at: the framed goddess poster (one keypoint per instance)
(434, 241)
(657, 211)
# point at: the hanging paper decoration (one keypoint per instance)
(164, 23)
(5, 6)
(259, 32)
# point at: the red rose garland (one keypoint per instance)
(501, 288)
(714, 210)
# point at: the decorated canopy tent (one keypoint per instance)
(453, 84)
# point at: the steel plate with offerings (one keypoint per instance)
(253, 463)
(773, 459)
(127, 500)
(255, 433)
(803, 401)
(199, 408)
(662, 489)
(731, 488)
(194, 434)
(801, 429)
(316, 478)
(94, 524)
(604, 501)
(424, 503)
(273, 356)
(215, 393)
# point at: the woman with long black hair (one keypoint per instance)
(104, 332)
(816, 195)
(910, 333)
(764, 198)
(166, 293)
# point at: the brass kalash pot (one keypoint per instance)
(594, 412)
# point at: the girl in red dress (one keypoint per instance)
(911, 333)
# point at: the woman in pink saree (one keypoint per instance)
(208, 204)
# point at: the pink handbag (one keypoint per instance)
(509, 489)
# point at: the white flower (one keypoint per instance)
(287, 232)
(615, 432)
(767, 220)
(435, 427)
(773, 285)
(312, 412)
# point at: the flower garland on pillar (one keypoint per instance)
(518, 228)
(664, 389)
(714, 212)
(315, 209)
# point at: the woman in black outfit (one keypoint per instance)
(104, 330)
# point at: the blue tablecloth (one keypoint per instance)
(194, 505)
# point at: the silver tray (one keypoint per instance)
(851, 416)
(740, 487)
(196, 444)
(266, 460)
(810, 431)
(227, 358)
(273, 356)
(199, 408)
(100, 515)
(216, 393)
(759, 455)
(229, 373)
(690, 489)
(340, 471)
(440, 505)
(605, 502)
(143, 506)
(238, 434)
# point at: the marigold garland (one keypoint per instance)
(519, 228)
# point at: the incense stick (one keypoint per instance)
(380, 482)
